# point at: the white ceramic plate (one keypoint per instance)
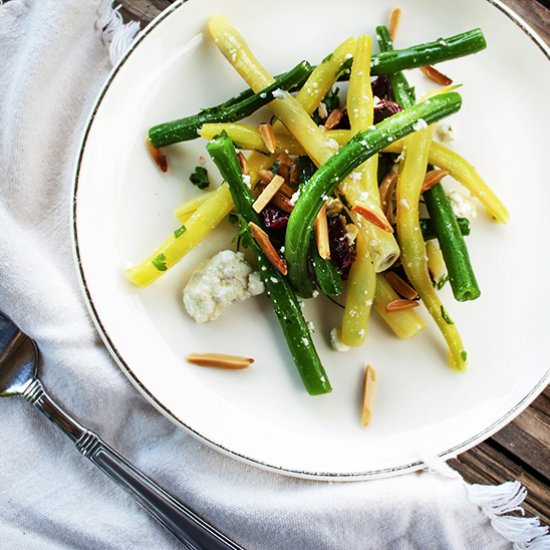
(124, 207)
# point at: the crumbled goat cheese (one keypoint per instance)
(364, 196)
(217, 283)
(351, 233)
(444, 133)
(462, 205)
(246, 180)
(295, 197)
(420, 124)
(333, 144)
(279, 94)
(322, 110)
(334, 206)
(355, 176)
(335, 341)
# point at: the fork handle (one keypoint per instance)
(194, 532)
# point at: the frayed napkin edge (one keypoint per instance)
(497, 502)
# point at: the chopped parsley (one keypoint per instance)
(464, 355)
(441, 283)
(180, 231)
(200, 177)
(160, 262)
(446, 317)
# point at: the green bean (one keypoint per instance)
(428, 231)
(284, 301)
(326, 274)
(402, 92)
(453, 247)
(360, 148)
(247, 102)
(230, 111)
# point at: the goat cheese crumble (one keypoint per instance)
(420, 124)
(444, 133)
(462, 205)
(335, 342)
(226, 278)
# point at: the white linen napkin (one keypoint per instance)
(53, 61)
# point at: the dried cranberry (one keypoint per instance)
(384, 109)
(340, 249)
(381, 87)
(274, 218)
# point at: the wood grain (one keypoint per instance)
(521, 450)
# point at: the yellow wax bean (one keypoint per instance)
(362, 183)
(463, 172)
(185, 210)
(286, 108)
(207, 216)
(413, 250)
(405, 323)
(248, 137)
(359, 296)
(323, 77)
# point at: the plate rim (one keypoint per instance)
(162, 408)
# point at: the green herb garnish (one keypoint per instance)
(200, 177)
(441, 283)
(160, 262)
(446, 317)
(180, 231)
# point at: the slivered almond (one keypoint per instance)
(262, 238)
(369, 390)
(334, 119)
(267, 194)
(294, 176)
(268, 136)
(372, 216)
(321, 233)
(286, 190)
(387, 187)
(282, 203)
(219, 360)
(400, 286)
(395, 18)
(433, 177)
(436, 76)
(157, 155)
(243, 163)
(283, 168)
(266, 176)
(400, 305)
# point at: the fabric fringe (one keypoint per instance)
(115, 34)
(497, 502)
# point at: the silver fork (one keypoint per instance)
(18, 369)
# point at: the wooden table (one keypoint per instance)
(521, 450)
